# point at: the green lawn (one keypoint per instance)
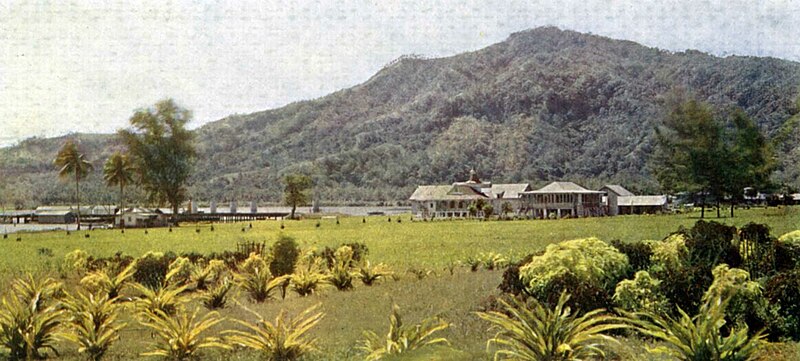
(401, 245)
(453, 294)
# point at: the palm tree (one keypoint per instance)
(118, 171)
(72, 162)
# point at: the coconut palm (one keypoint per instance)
(540, 334)
(118, 171)
(72, 162)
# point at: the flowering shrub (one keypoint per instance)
(642, 293)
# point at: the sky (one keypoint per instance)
(86, 66)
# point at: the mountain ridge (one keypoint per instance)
(545, 104)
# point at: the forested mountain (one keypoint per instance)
(543, 105)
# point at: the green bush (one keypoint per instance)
(711, 243)
(179, 271)
(590, 260)
(151, 269)
(284, 256)
(642, 293)
(77, 261)
(783, 290)
(670, 255)
(639, 254)
(587, 268)
(747, 306)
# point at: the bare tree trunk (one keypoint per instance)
(732, 204)
(294, 206)
(702, 206)
(78, 196)
(121, 201)
(718, 207)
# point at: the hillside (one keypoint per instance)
(543, 105)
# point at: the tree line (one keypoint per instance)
(159, 157)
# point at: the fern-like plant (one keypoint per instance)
(102, 281)
(698, 338)
(538, 333)
(217, 297)
(258, 283)
(309, 275)
(370, 274)
(342, 273)
(401, 338)
(31, 318)
(93, 324)
(181, 335)
(282, 340)
(165, 299)
(202, 277)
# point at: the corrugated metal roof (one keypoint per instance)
(562, 187)
(446, 193)
(618, 189)
(642, 201)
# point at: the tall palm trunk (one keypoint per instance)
(121, 202)
(78, 196)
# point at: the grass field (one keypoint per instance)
(453, 294)
(401, 245)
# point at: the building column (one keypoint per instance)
(558, 213)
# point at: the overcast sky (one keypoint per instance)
(87, 65)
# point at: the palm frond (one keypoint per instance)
(284, 339)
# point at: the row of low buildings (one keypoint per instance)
(130, 217)
(555, 200)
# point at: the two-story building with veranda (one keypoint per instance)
(453, 201)
(563, 199)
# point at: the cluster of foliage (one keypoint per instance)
(401, 338)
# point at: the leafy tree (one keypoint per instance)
(118, 171)
(749, 157)
(690, 153)
(295, 192)
(72, 162)
(162, 150)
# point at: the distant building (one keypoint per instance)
(622, 201)
(140, 217)
(564, 199)
(453, 201)
(55, 215)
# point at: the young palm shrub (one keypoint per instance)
(102, 281)
(181, 335)
(167, 300)
(370, 274)
(698, 338)
(282, 340)
(258, 283)
(342, 272)
(400, 338)
(31, 319)
(179, 271)
(308, 276)
(203, 276)
(93, 324)
(539, 333)
(217, 297)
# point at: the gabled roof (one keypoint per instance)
(642, 201)
(454, 192)
(509, 191)
(56, 212)
(142, 211)
(562, 187)
(618, 189)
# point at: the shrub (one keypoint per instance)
(202, 277)
(711, 243)
(77, 261)
(783, 290)
(217, 297)
(370, 274)
(669, 255)
(167, 300)
(342, 273)
(787, 252)
(642, 293)
(757, 249)
(585, 295)
(698, 338)
(253, 264)
(31, 318)
(791, 237)
(282, 340)
(400, 338)
(179, 271)
(746, 304)
(151, 269)
(93, 324)
(492, 260)
(309, 275)
(512, 283)
(258, 284)
(180, 335)
(539, 333)
(639, 254)
(284, 256)
(589, 260)
(112, 286)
